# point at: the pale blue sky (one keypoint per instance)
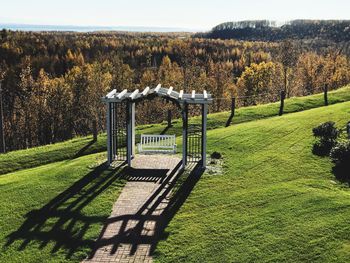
(195, 14)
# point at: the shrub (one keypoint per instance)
(340, 153)
(327, 135)
(326, 131)
(215, 155)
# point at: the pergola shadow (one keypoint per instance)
(149, 222)
(61, 220)
(145, 175)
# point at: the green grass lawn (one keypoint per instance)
(53, 213)
(274, 202)
(84, 145)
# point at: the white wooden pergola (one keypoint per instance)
(181, 99)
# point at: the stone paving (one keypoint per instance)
(130, 233)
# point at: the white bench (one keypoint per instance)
(157, 144)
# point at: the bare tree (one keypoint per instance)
(288, 57)
(2, 133)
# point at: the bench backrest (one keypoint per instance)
(157, 143)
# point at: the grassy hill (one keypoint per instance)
(53, 213)
(84, 145)
(274, 201)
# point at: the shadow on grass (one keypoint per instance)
(164, 131)
(229, 120)
(157, 211)
(83, 150)
(61, 220)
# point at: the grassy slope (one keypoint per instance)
(275, 202)
(72, 220)
(81, 146)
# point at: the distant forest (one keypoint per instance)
(264, 30)
(52, 83)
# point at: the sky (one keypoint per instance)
(190, 14)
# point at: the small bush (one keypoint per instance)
(340, 153)
(215, 155)
(326, 131)
(327, 135)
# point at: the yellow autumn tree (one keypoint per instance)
(256, 80)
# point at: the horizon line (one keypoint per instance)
(134, 28)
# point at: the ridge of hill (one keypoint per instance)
(264, 30)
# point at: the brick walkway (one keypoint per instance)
(131, 231)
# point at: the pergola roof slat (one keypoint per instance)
(169, 91)
(112, 93)
(180, 97)
(145, 91)
(156, 90)
(134, 94)
(122, 94)
(181, 94)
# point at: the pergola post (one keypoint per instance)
(133, 129)
(204, 134)
(130, 147)
(109, 134)
(184, 134)
(113, 130)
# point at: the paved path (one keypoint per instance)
(130, 233)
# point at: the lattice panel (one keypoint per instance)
(119, 130)
(194, 143)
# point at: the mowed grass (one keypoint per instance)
(55, 212)
(77, 147)
(274, 202)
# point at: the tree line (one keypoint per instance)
(264, 30)
(52, 83)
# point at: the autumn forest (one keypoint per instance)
(52, 83)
